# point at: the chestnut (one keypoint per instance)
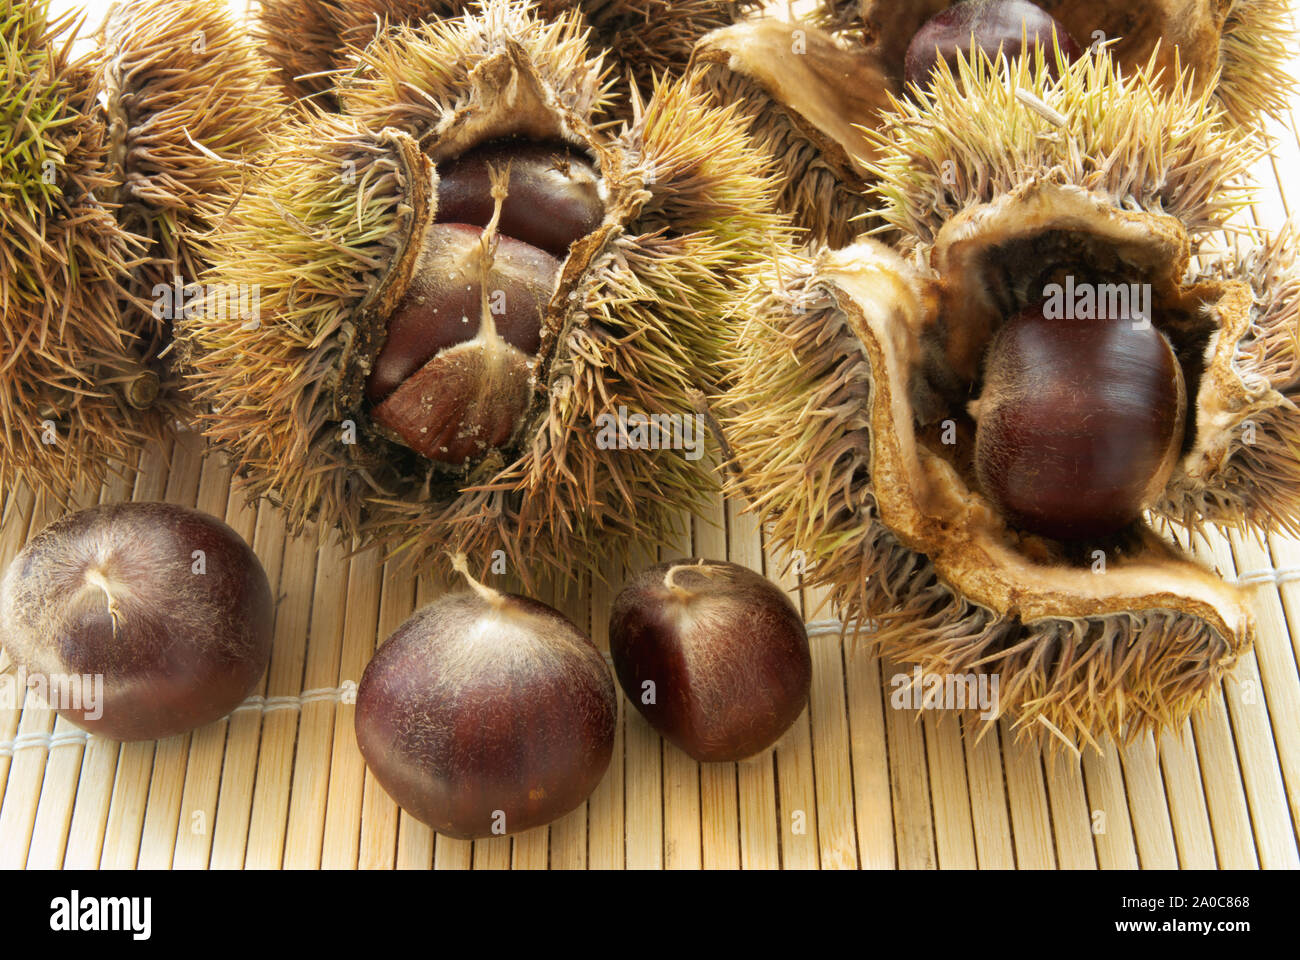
(453, 378)
(486, 713)
(166, 608)
(554, 193)
(714, 656)
(1079, 422)
(467, 400)
(986, 25)
(444, 303)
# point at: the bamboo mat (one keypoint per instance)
(854, 783)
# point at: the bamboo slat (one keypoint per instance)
(719, 788)
(683, 848)
(954, 830)
(568, 835)
(760, 842)
(990, 814)
(643, 792)
(872, 803)
(1108, 816)
(832, 759)
(606, 830)
(797, 818)
(909, 782)
(1031, 824)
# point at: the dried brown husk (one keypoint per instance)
(187, 100)
(636, 321)
(67, 359)
(1240, 49)
(823, 423)
(1244, 468)
(859, 364)
(807, 98)
(1179, 158)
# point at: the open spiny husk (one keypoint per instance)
(637, 320)
(186, 98)
(67, 362)
(806, 98)
(974, 137)
(338, 202)
(1244, 471)
(858, 359)
(971, 136)
(821, 421)
(417, 78)
(1237, 49)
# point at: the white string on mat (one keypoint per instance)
(320, 695)
(48, 741)
(822, 628)
(1278, 576)
(816, 628)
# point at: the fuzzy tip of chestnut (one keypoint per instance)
(713, 655)
(1079, 424)
(984, 25)
(148, 619)
(486, 713)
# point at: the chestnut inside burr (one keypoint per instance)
(987, 26)
(1079, 422)
(554, 193)
(453, 378)
(441, 306)
(1060, 382)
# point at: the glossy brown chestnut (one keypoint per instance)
(167, 605)
(1079, 423)
(714, 656)
(554, 194)
(444, 303)
(453, 379)
(467, 400)
(486, 713)
(984, 25)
